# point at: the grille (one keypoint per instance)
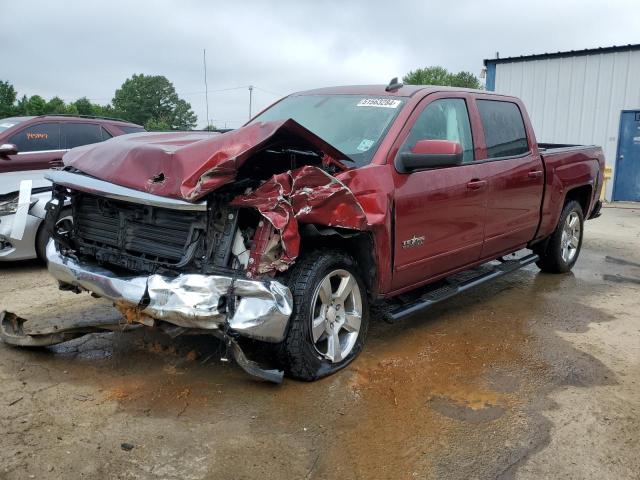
(152, 233)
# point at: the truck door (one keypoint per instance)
(516, 177)
(439, 213)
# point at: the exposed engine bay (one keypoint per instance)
(248, 226)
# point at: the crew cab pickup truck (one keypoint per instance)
(285, 232)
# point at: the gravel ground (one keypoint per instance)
(533, 376)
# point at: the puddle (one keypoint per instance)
(464, 412)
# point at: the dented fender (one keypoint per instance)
(305, 195)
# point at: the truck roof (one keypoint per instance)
(380, 90)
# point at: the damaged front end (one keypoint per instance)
(209, 261)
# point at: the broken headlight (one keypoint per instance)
(8, 204)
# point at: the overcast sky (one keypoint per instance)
(88, 48)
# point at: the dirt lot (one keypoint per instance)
(533, 376)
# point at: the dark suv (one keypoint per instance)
(36, 143)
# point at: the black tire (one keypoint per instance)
(42, 237)
(299, 355)
(550, 252)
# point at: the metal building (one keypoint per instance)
(586, 96)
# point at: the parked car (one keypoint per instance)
(29, 146)
(36, 143)
(284, 232)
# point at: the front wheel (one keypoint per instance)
(563, 247)
(330, 315)
(63, 226)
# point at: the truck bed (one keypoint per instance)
(567, 167)
(561, 147)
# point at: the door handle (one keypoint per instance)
(476, 184)
(535, 174)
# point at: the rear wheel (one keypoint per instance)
(330, 315)
(561, 251)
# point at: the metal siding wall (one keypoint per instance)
(576, 99)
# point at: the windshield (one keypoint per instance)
(354, 124)
(6, 123)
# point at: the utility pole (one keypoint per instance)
(206, 89)
(250, 99)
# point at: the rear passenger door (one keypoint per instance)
(515, 175)
(78, 134)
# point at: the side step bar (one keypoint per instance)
(456, 287)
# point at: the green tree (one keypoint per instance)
(84, 106)
(36, 105)
(152, 101)
(72, 110)
(55, 105)
(157, 125)
(441, 76)
(427, 76)
(21, 106)
(465, 80)
(8, 97)
(106, 111)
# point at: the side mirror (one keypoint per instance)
(430, 154)
(7, 149)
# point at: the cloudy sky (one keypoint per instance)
(86, 48)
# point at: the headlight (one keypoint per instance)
(8, 204)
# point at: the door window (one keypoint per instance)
(126, 129)
(43, 136)
(78, 134)
(445, 119)
(503, 126)
(105, 134)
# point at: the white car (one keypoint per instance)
(22, 232)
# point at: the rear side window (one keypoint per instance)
(503, 127)
(78, 134)
(43, 136)
(105, 134)
(131, 129)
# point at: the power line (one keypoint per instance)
(205, 92)
(267, 91)
(200, 92)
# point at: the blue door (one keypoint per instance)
(627, 182)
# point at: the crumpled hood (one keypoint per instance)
(186, 165)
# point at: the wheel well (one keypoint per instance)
(582, 195)
(358, 244)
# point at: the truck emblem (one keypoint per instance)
(415, 241)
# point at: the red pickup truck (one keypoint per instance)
(285, 232)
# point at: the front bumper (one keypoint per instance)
(250, 308)
(12, 249)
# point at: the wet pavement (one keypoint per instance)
(532, 376)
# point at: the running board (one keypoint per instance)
(457, 287)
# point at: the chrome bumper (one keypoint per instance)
(252, 308)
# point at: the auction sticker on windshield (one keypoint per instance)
(379, 102)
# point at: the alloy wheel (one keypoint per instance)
(570, 240)
(336, 311)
